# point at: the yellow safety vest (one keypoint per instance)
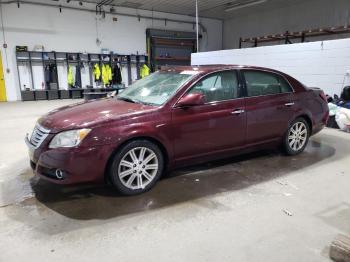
(144, 71)
(97, 72)
(109, 73)
(70, 76)
(105, 76)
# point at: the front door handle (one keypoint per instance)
(289, 104)
(237, 112)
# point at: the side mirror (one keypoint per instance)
(195, 99)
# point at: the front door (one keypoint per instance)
(218, 125)
(2, 82)
(269, 105)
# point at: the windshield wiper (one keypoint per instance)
(135, 101)
(127, 99)
(148, 103)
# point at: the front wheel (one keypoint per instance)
(297, 137)
(136, 167)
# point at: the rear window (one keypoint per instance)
(261, 83)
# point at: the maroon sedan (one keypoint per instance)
(175, 117)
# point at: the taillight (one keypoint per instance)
(323, 96)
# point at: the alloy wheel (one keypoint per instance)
(297, 136)
(138, 168)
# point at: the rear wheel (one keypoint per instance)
(297, 137)
(136, 167)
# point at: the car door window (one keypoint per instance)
(261, 83)
(218, 86)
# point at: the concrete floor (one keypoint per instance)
(230, 210)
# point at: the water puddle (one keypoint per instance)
(17, 189)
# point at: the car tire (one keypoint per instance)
(136, 167)
(296, 137)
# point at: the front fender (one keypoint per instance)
(158, 133)
(117, 133)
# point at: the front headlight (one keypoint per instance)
(69, 138)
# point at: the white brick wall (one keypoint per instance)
(323, 64)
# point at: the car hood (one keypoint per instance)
(87, 114)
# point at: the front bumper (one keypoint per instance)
(77, 164)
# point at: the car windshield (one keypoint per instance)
(155, 89)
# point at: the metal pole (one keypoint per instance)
(197, 27)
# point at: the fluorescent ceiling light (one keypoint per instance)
(242, 5)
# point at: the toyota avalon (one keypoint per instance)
(175, 117)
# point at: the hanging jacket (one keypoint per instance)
(70, 79)
(117, 75)
(53, 73)
(104, 74)
(109, 73)
(47, 75)
(78, 76)
(144, 71)
(97, 72)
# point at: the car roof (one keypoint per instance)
(204, 69)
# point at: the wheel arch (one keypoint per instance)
(307, 119)
(131, 139)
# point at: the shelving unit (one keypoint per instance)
(49, 91)
(178, 58)
(23, 59)
(38, 60)
(169, 48)
(288, 37)
(50, 59)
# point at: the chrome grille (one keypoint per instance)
(38, 136)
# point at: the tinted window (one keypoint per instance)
(218, 86)
(263, 83)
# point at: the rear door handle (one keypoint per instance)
(289, 104)
(237, 112)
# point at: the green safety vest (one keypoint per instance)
(97, 72)
(144, 71)
(70, 76)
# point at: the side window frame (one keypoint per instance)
(239, 85)
(244, 83)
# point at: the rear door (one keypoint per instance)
(218, 125)
(269, 105)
